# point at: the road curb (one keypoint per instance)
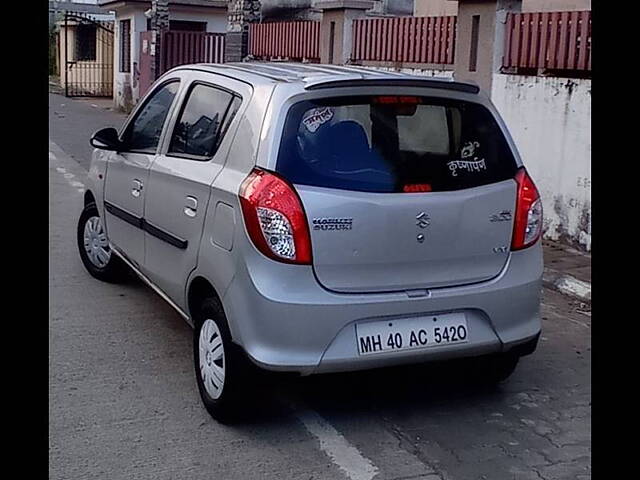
(568, 285)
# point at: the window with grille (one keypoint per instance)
(125, 46)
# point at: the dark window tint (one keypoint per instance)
(86, 42)
(183, 26)
(125, 46)
(187, 26)
(203, 122)
(393, 144)
(144, 132)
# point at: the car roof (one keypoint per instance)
(313, 76)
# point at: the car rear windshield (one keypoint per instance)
(393, 144)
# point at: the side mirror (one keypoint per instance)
(106, 139)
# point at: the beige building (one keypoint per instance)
(85, 50)
(436, 8)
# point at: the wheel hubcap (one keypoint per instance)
(212, 361)
(95, 242)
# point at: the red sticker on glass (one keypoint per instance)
(416, 187)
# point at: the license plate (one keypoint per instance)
(411, 333)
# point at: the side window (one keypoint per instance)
(143, 134)
(204, 119)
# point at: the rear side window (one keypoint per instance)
(393, 144)
(205, 116)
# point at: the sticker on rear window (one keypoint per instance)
(316, 117)
(469, 149)
(471, 164)
(475, 166)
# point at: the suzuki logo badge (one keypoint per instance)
(422, 220)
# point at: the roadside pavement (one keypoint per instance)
(568, 271)
(73, 121)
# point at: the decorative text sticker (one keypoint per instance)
(317, 117)
(470, 165)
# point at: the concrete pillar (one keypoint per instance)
(240, 14)
(480, 39)
(159, 23)
(336, 28)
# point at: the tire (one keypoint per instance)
(224, 399)
(494, 369)
(104, 266)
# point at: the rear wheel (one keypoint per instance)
(94, 248)
(223, 374)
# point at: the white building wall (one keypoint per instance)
(550, 120)
(126, 85)
(428, 72)
(215, 23)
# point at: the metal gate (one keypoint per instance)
(177, 48)
(88, 56)
(181, 48)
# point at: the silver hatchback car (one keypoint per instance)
(317, 218)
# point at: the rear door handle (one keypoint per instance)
(136, 188)
(191, 206)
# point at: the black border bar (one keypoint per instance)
(398, 82)
(146, 226)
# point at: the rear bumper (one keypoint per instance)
(286, 321)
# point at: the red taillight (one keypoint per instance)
(527, 225)
(274, 217)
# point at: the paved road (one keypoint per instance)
(71, 123)
(123, 401)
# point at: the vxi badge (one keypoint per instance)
(503, 216)
(332, 223)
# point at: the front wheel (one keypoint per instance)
(95, 252)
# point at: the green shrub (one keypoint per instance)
(53, 50)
